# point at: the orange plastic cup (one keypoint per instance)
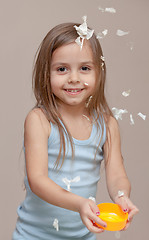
(113, 215)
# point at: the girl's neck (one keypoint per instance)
(73, 111)
(77, 120)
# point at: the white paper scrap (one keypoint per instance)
(131, 120)
(110, 10)
(126, 93)
(101, 9)
(117, 234)
(130, 45)
(118, 112)
(121, 33)
(102, 58)
(142, 115)
(84, 32)
(107, 9)
(69, 181)
(79, 42)
(102, 34)
(92, 198)
(55, 224)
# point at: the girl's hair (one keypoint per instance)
(60, 35)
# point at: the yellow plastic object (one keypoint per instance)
(113, 215)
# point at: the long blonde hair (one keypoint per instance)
(60, 35)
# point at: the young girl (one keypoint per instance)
(66, 136)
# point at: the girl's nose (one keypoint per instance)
(74, 77)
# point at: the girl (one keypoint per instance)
(66, 136)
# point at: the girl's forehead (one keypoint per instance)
(72, 51)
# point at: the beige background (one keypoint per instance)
(24, 23)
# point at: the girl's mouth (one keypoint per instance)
(73, 90)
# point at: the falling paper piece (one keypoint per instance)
(55, 224)
(131, 45)
(86, 117)
(68, 182)
(142, 115)
(78, 41)
(120, 193)
(131, 120)
(118, 112)
(110, 10)
(84, 32)
(102, 34)
(117, 235)
(126, 93)
(102, 58)
(121, 33)
(101, 9)
(105, 32)
(93, 199)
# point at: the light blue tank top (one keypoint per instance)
(80, 176)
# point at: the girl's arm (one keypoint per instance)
(36, 133)
(116, 176)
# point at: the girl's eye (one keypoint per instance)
(62, 69)
(85, 68)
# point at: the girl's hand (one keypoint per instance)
(89, 213)
(127, 206)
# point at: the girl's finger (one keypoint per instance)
(127, 225)
(96, 219)
(95, 215)
(96, 229)
(132, 213)
(94, 208)
(92, 227)
(123, 204)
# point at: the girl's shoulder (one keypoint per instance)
(112, 125)
(37, 121)
(109, 119)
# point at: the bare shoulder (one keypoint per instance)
(37, 121)
(112, 146)
(112, 125)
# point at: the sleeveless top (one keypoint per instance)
(39, 220)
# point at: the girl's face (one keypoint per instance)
(73, 74)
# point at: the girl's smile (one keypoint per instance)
(73, 75)
(74, 91)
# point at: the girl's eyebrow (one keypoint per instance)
(63, 63)
(87, 62)
(58, 64)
